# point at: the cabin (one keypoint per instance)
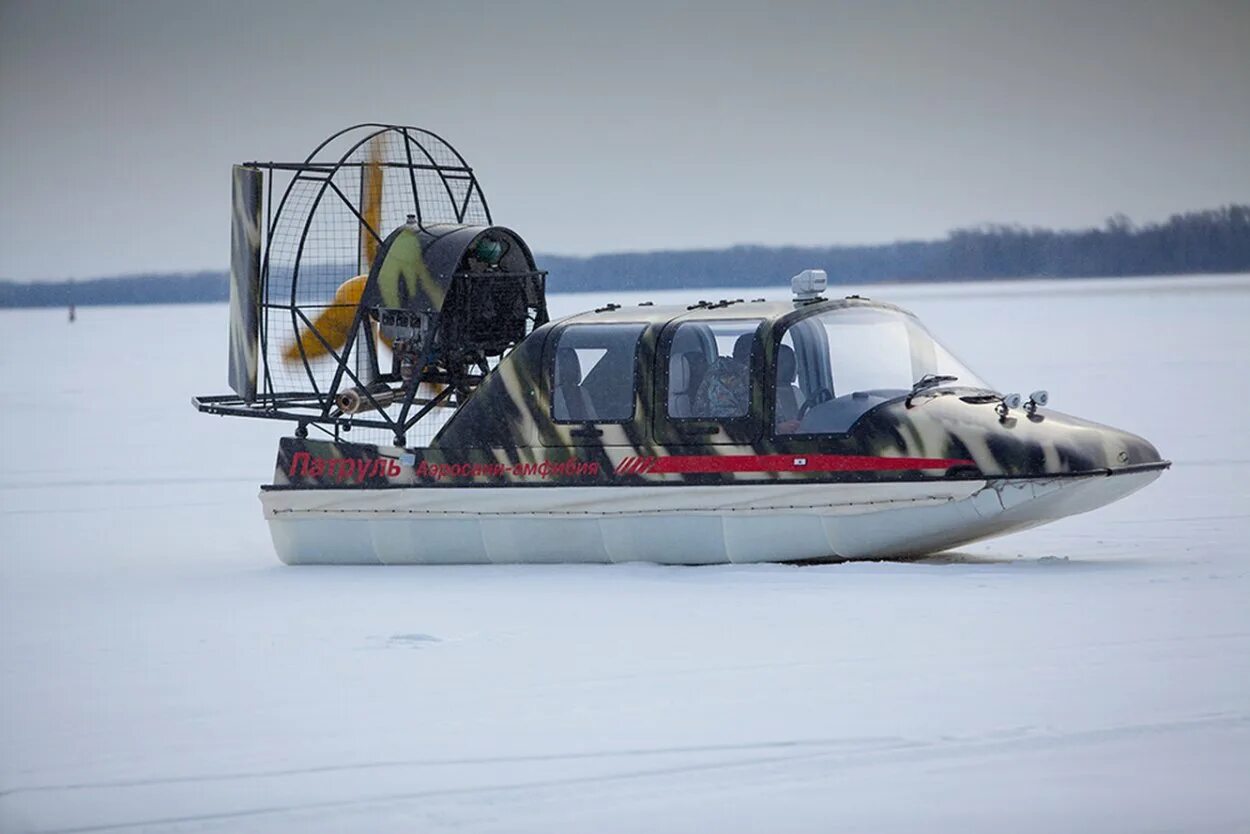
(729, 372)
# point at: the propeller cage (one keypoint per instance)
(372, 268)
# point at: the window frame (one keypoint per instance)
(780, 329)
(705, 431)
(756, 358)
(549, 372)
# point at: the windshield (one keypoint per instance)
(834, 366)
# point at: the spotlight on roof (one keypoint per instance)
(809, 284)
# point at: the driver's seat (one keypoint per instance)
(788, 394)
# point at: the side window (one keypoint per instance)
(594, 375)
(709, 370)
(834, 367)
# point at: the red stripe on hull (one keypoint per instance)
(700, 464)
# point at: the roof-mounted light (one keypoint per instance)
(809, 284)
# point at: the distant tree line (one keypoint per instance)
(1217, 240)
(1203, 241)
(164, 288)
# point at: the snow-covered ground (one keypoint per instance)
(161, 671)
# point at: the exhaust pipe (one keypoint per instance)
(355, 400)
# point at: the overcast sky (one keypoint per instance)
(622, 126)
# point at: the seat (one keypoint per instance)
(570, 402)
(685, 372)
(743, 346)
(788, 394)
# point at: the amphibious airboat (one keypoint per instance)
(374, 302)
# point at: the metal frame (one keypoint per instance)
(421, 152)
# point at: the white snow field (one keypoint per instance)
(161, 671)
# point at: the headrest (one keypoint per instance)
(568, 368)
(679, 374)
(742, 348)
(787, 370)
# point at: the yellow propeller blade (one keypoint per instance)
(371, 204)
(334, 323)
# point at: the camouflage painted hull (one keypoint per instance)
(677, 524)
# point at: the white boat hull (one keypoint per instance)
(687, 525)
